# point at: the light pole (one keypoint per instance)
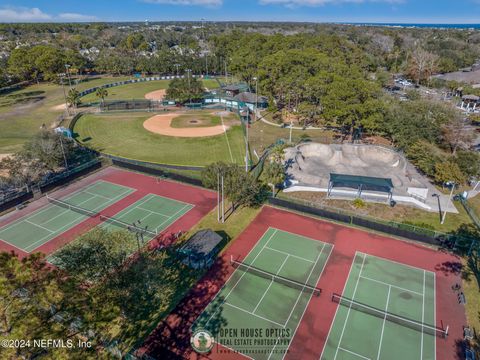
(67, 67)
(177, 66)
(256, 97)
(246, 139)
(62, 76)
(452, 184)
(189, 88)
(439, 206)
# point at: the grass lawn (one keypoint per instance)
(475, 204)
(129, 91)
(23, 111)
(399, 213)
(122, 134)
(262, 135)
(472, 308)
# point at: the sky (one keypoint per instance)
(392, 11)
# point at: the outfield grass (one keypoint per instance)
(122, 134)
(129, 91)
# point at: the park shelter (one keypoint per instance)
(251, 98)
(360, 183)
(201, 249)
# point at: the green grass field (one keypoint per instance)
(129, 91)
(122, 134)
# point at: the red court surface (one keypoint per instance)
(172, 336)
(203, 200)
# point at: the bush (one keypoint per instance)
(359, 203)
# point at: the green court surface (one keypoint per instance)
(36, 229)
(154, 212)
(270, 307)
(404, 292)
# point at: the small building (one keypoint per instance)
(252, 99)
(201, 249)
(360, 183)
(234, 89)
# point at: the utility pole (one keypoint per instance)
(67, 111)
(218, 196)
(226, 73)
(246, 139)
(177, 66)
(63, 152)
(223, 204)
(256, 97)
(291, 128)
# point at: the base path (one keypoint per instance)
(156, 95)
(161, 124)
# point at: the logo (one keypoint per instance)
(202, 341)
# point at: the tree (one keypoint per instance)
(73, 98)
(449, 171)
(184, 90)
(273, 174)
(38, 302)
(469, 163)
(95, 254)
(101, 93)
(425, 156)
(422, 64)
(456, 134)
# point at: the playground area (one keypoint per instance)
(114, 199)
(310, 165)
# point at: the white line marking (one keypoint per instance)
(319, 277)
(350, 307)
(383, 325)
(172, 217)
(153, 212)
(285, 253)
(395, 262)
(40, 226)
(269, 285)
(256, 315)
(393, 286)
(338, 306)
(243, 274)
(423, 316)
(354, 353)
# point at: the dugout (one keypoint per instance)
(360, 183)
(201, 249)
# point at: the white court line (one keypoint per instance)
(96, 195)
(61, 230)
(423, 316)
(40, 226)
(172, 217)
(310, 298)
(338, 306)
(256, 315)
(228, 142)
(383, 325)
(269, 285)
(243, 274)
(355, 354)
(350, 307)
(132, 207)
(395, 262)
(285, 253)
(153, 212)
(393, 286)
(434, 314)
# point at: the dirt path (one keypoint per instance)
(59, 107)
(156, 95)
(161, 124)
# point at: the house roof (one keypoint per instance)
(251, 98)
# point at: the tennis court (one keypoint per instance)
(386, 311)
(268, 292)
(149, 215)
(38, 228)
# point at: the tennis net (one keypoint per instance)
(71, 207)
(274, 277)
(129, 227)
(400, 320)
(107, 219)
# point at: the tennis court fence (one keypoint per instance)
(397, 319)
(108, 219)
(275, 278)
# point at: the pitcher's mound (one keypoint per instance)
(161, 124)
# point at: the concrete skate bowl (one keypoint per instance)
(312, 163)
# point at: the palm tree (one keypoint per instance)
(101, 93)
(73, 98)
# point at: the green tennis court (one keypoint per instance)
(273, 305)
(36, 229)
(387, 311)
(153, 213)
